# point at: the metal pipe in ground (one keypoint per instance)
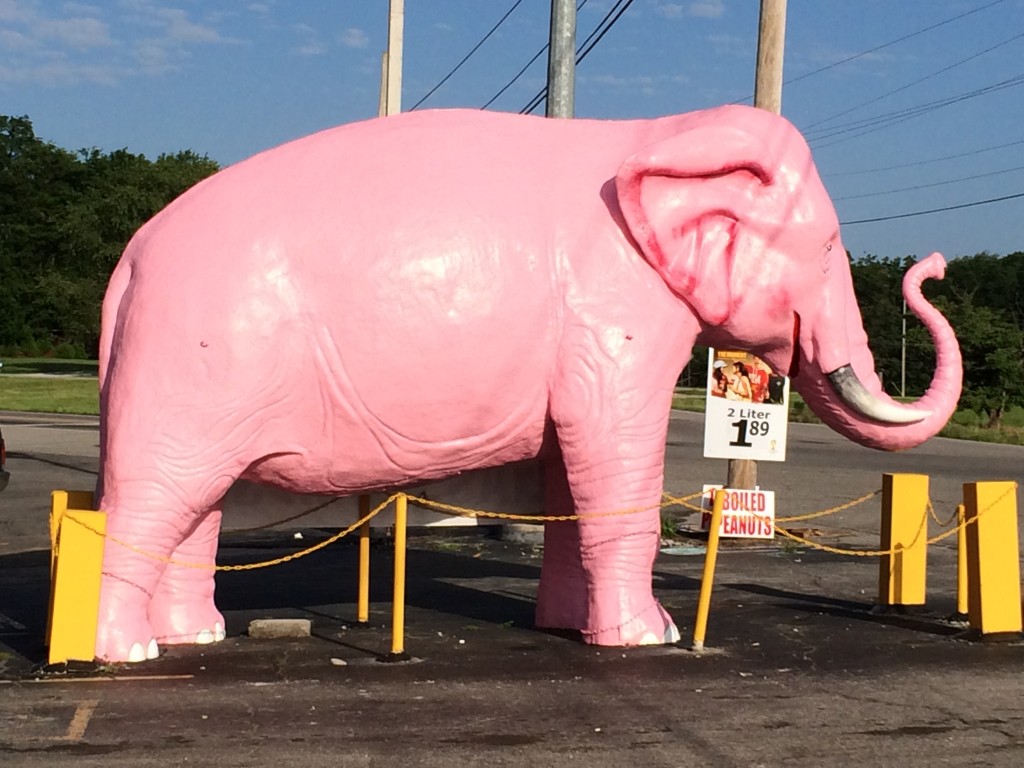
(707, 580)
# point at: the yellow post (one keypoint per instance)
(993, 564)
(76, 570)
(363, 604)
(962, 582)
(707, 580)
(60, 501)
(398, 606)
(902, 574)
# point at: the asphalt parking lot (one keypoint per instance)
(800, 669)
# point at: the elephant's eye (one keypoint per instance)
(826, 258)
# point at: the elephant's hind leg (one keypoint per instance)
(562, 594)
(141, 537)
(182, 610)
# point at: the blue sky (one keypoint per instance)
(231, 78)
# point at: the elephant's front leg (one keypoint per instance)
(614, 457)
(182, 610)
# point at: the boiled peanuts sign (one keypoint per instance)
(745, 514)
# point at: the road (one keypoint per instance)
(823, 470)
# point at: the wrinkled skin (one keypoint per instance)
(404, 299)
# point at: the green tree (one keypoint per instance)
(65, 218)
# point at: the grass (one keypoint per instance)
(57, 395)
(73, 389)
(965, 424)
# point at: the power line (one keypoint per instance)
(927, 162)
(886, 120)
(593, 39)
(520, 73)
(892, 42)
(933, 184)
(466, 57)
(933, 210)
(862, 54)
(915, 82)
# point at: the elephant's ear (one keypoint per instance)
(685, 199)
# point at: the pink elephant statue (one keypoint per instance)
(403, 299)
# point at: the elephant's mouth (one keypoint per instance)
(794, 362)
(852, 392)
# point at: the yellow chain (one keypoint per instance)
(833, 510)
(668, 500)
(468, 512)
(247, 566)
(935, 516)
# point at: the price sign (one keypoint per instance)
(747, 410)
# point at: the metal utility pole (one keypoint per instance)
(771, 47)
(903, 353)
(391, 69)
(562, 60)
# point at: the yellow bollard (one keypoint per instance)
(363, 603)
(993, 564)
(902, 575)
(962, 582)
(398, 601)
(706, 582)
(76, 558)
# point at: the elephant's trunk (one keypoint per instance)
(849, 397)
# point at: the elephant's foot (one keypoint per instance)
(182, 610)
(123, 633)
(180, 622)
(653, 626)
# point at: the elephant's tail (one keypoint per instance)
(117, 288)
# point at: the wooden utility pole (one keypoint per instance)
(771, 47)
(562, 60)
(391, 81)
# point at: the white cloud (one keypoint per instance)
(311, 44)
(80, 33)
(59, 72)
(15, 41)
(733, 45)
(312, 48)
(670, 10)
(81, 9)
(16, 11)
(53, 44)
(707, 9)
(179, 29)
(353, 37)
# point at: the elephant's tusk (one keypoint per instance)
(853, 392)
